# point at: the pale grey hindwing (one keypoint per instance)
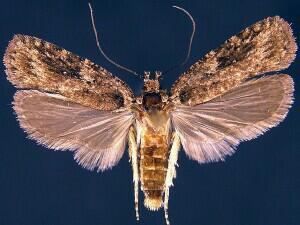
(212, 130)
(97, 137)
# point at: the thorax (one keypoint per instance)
(154, 128)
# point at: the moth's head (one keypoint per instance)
(151, 85)
(153, 98)
(152, 101)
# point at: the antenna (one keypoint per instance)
(190, 42)
(101, 50)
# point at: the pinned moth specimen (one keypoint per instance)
(69, 103)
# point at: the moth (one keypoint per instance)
(66, 102)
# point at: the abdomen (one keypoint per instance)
(153, 167)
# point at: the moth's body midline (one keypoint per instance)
(72, 104)
(154, 152)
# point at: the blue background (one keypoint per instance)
(258, 185)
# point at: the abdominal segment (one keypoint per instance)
(153, 168)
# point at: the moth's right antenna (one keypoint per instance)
(101, 50)
(190, 42)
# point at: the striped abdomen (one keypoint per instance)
(153, 168)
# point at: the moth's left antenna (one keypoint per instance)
(101, 50)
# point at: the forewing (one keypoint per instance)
(267, 45)
(32, 63)
(97, 137)
(212, 130)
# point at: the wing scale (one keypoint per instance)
(32, 63)
(266, 46)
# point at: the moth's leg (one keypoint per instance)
(171, 172)
(120, 110)
(134, 163)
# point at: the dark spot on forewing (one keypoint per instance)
(225, 61)
(235, 53)
(119, 99)
(184, 95)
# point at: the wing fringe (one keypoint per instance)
(89, 156)
(223, 140)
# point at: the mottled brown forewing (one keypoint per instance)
(32, 63)
(267, 45)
